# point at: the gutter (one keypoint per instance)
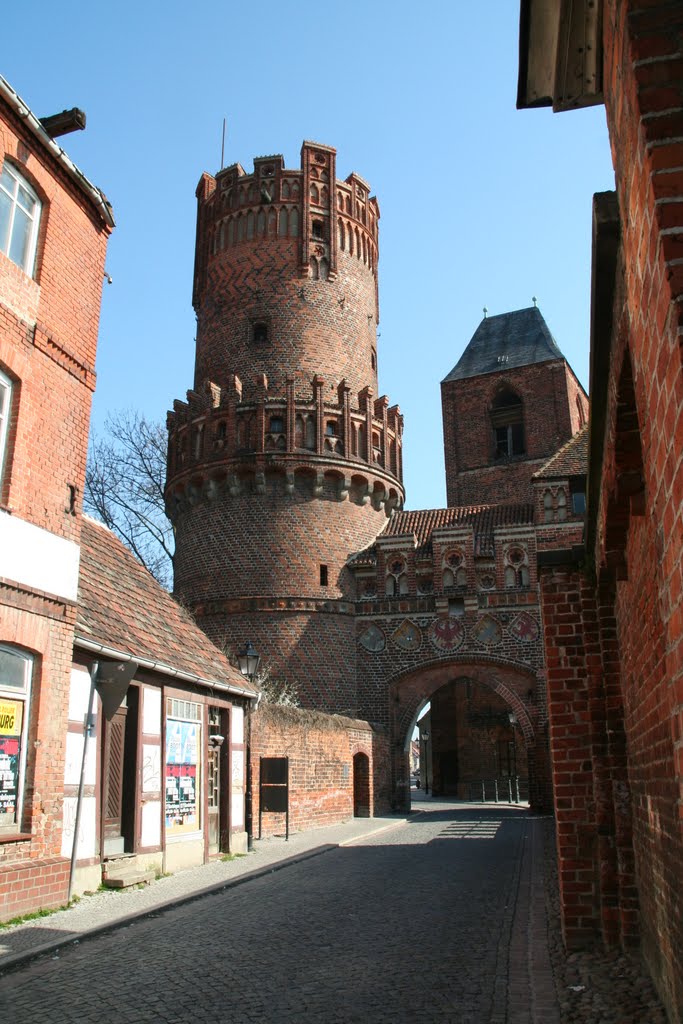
(21, 109)
(156, 666)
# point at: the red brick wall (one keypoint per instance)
(23, 888)
(644, 100)
(48, 338)
(43, 628)
(320, 750)
(549, 393)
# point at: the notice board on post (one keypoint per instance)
(274, 789)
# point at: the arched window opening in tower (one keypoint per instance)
(323, 576)
(317, 229)
(507, 420)
(561, 505)
(260, 332)
(294, 223)
(277, 425)
(283, 223)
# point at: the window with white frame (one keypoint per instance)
(15, 691)
(5, 406)
(19, 218)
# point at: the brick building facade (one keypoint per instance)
(54, 227)
(614, 626)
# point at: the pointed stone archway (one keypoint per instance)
(516, 687)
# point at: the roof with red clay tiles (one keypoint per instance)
(483, 518)
(570, 460)
(121, 606)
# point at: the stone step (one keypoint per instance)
(122, 878)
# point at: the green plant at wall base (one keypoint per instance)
(35, 915)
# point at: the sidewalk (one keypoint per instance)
(108, 908)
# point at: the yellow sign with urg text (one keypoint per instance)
(10, 717)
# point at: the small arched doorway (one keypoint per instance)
(361, 785)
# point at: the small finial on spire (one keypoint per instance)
(534, 300)
(486, 312)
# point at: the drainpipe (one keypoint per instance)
(88, 726)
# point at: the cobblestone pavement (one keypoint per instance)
(441, 919)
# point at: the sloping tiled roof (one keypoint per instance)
(483, 518)
(570, 460)
(506, 341)
(123, 608)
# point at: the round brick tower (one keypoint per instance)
(282, 462)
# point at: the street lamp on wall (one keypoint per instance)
(248, 660)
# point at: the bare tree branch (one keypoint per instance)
(124, 487)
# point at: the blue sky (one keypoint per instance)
(481, 205)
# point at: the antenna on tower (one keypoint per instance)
(223, 146)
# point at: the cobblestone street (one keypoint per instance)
(434, 920)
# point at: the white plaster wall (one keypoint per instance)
(151, 823)
(151, 767)
(79, 692)
(237, 725)
(86, 832)
(37, 559)
(237, 809)
(73, 756)
(151, 711)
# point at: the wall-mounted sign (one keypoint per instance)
(11, 720)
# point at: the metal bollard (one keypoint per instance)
(495, 789)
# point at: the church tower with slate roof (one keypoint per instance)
(508, 404)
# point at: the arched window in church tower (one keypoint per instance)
(507, 420)
(293, 222)
(561, 504)
(547, 506)
(341, 234)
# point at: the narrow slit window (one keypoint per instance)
(323, 576)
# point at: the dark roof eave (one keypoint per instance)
(95, 647)
(95, 196)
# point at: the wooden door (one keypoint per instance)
(112, 783)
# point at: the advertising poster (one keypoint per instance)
(11, 717)
(182, 776)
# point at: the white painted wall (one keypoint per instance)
(38, 559)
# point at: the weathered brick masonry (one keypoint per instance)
(283, 462)
(329, 759)
(614, 633)
(49, 314)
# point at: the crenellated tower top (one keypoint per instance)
(285, 279)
